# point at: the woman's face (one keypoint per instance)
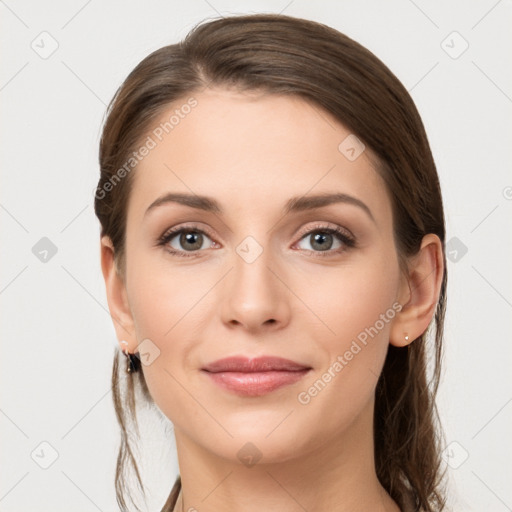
(260, 277)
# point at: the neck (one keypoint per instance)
(336, 475)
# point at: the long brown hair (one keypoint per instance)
(287, 55)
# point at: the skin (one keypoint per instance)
(252, 153)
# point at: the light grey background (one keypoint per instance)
(57, 336)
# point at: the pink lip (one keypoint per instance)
(254, 377)
(257, 364)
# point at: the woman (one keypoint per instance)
(272, 243)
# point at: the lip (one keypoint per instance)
(257, 364)
(254, 377)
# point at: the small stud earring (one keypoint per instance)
(406, 337)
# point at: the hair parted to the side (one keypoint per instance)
(287, 55)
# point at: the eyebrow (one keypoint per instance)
(295, 204)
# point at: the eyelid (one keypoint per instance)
(319, 225)
(184, 227)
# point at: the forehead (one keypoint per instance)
(253, 151)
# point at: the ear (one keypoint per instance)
(117, 297)
(419, 292)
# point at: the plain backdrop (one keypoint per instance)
(62, 62)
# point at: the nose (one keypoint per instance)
(255, 297)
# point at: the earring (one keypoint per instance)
(130, 366)
(406, 337)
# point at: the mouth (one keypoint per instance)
(254, 377)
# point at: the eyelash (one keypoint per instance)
(347, 240)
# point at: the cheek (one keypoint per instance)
(356, 309)
(162, 300)
(350, 300)
(168, 309)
